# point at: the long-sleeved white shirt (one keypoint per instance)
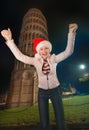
(45, 82)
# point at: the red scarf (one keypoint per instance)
(45, 67)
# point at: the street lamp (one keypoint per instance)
(82, 66)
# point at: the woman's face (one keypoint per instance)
(44, 52)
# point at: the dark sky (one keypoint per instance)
(59, 14)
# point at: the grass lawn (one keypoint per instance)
(76, 110)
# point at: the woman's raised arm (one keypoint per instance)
(7, 35)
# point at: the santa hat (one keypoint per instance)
(40, 42)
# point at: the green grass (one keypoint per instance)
(75, 108)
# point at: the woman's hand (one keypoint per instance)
(7, 34)
(73, 27)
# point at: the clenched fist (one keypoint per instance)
(7, 34)
(73, 27)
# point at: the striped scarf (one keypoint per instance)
(45, 67)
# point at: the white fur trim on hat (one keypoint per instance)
(44, 43)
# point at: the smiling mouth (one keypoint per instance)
(44, 54)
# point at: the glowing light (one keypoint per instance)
(82, 66)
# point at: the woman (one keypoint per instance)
(45, 64)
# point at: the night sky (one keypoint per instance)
(59, 15)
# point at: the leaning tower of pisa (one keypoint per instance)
(23, 85)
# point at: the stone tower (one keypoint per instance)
(23, 85)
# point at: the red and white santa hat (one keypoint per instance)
(40, 42)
